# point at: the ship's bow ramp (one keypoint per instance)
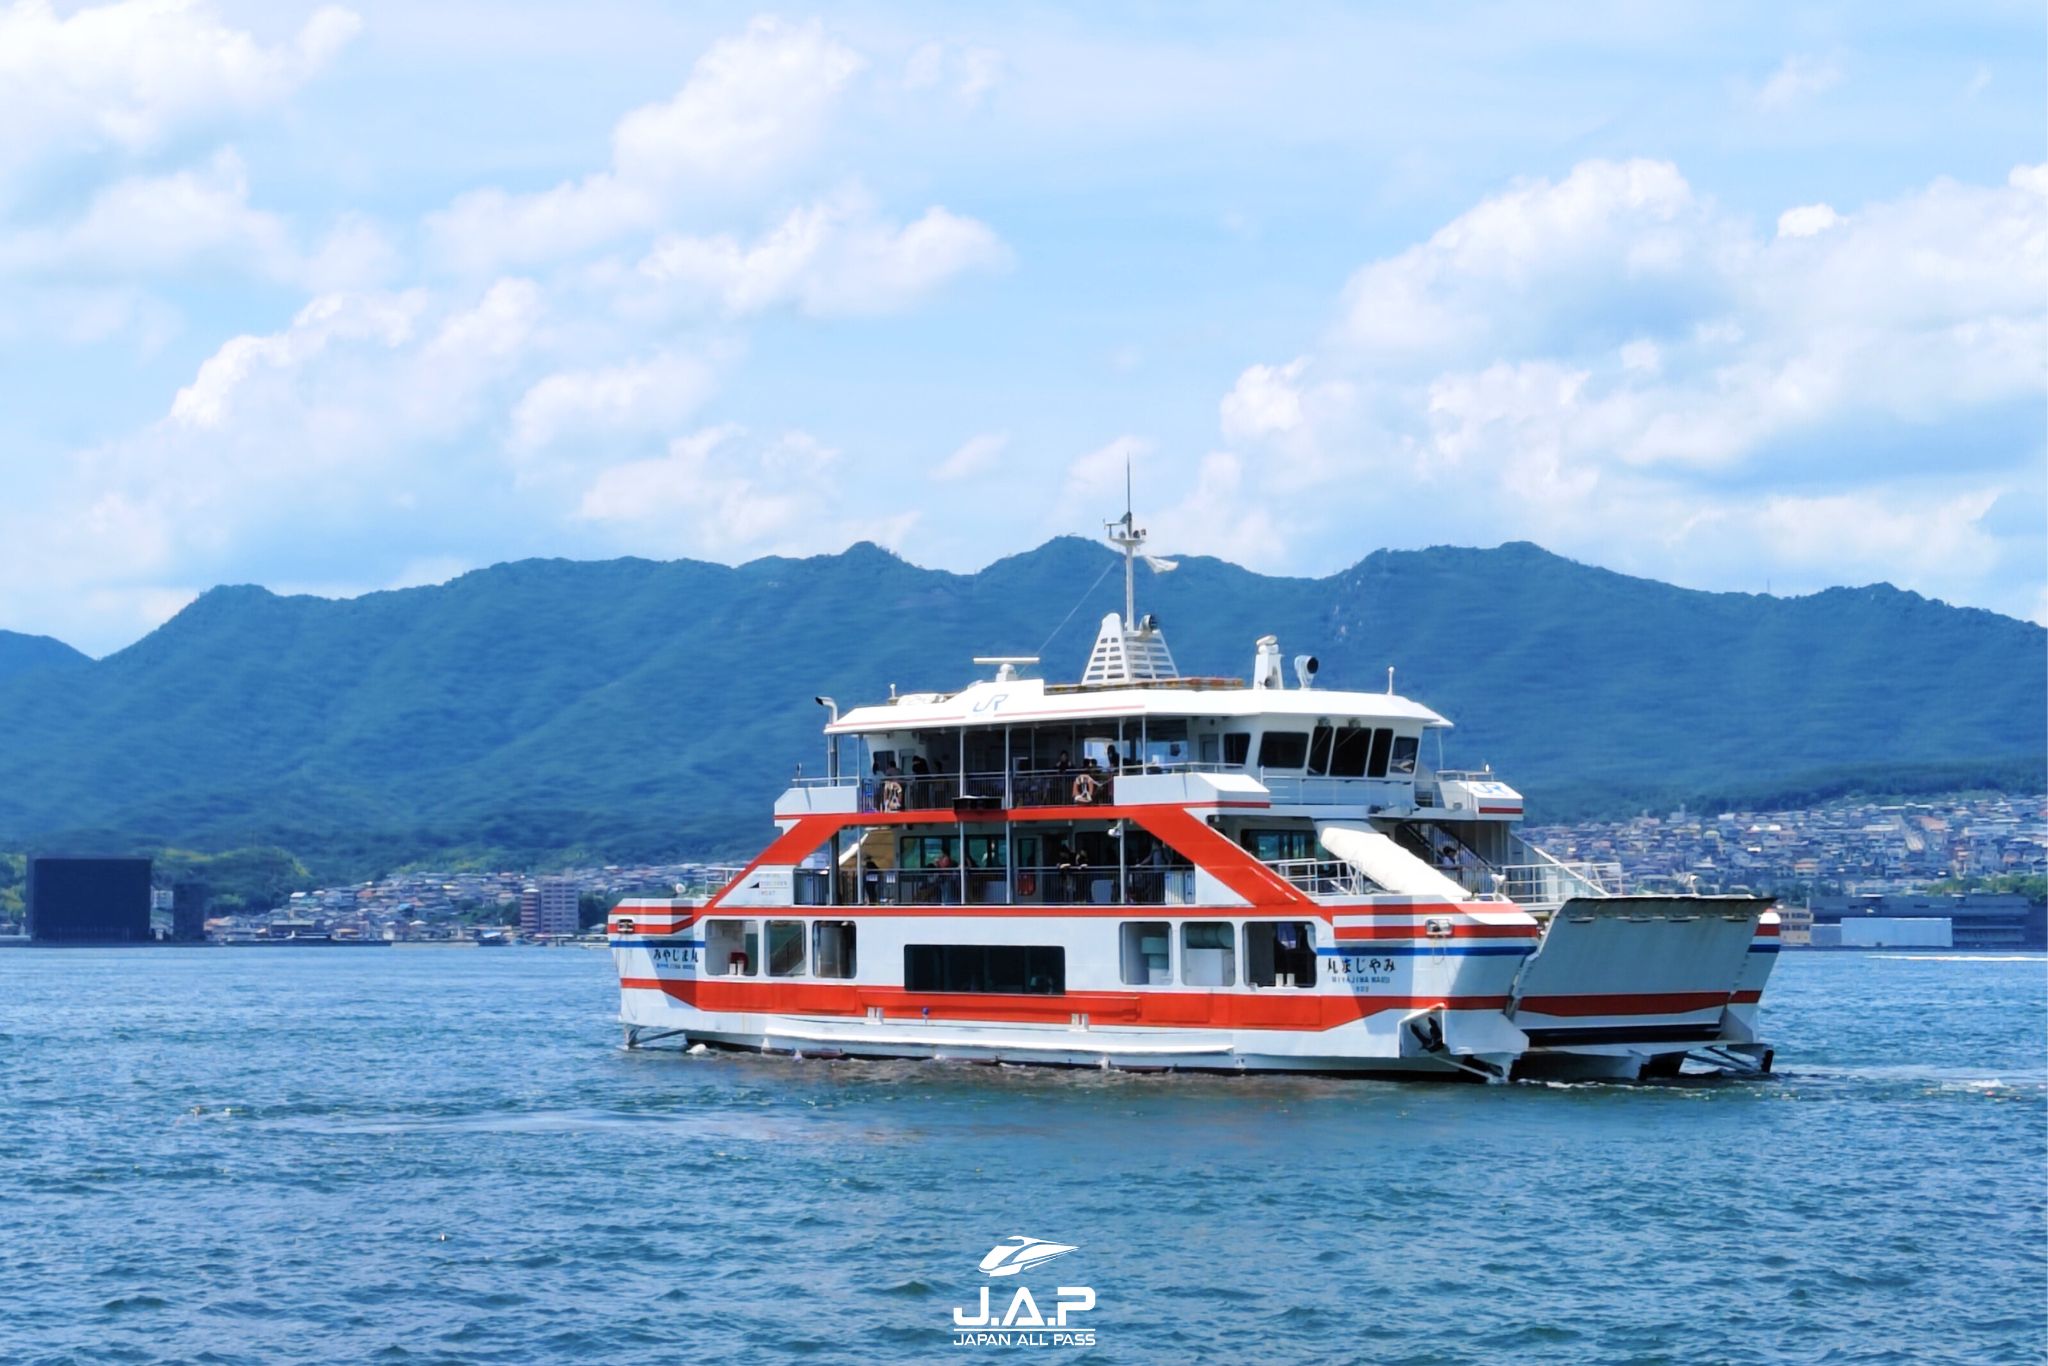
(1636, 969)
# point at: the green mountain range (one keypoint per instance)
(551, 710)
(20, 653)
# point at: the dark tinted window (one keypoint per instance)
(1403, 763)
(1273, 950)
(1354, 744)
(1319, 749)
(1011, 969)
(1283, 748)
(1237, 747)
(1382, 740)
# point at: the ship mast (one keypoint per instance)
(1125, 533)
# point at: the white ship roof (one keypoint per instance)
(1021, 700)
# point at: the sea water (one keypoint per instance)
(259, 1155)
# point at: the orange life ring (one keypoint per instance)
(1084, 789)
(892, 795)
(1027, 884)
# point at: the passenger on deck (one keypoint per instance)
(1074, 877)
(1150, 884)
(1114, 762)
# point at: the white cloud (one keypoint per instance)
(1224, 514)
(1796, 80)
(1607, 226)
(717, 492)
(1611, 365)
(977, 455)
(970, 72)
(644, 395)
(134, 74)
(834, 257)
(753, 104)
(1266, 401)
(1808, 220)
(155, 224)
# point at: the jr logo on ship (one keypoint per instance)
(1020, 1322)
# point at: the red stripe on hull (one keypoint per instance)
(1625, 1003)
(1308, 1011)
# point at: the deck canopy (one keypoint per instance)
(1026, 701)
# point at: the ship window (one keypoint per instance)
(1272, 846)
(785, 948)
(832, 947)
(1283, 748)
(1376, 767)
(1208, 953)
(1279, 953)
(1402, 765)
(1144, 954)
(1237, 747)
(1319, 749)
(1006, 969)
(1354, 746)
(732, 948)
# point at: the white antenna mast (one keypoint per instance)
(1128, 536)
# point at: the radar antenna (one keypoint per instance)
(1130, 649)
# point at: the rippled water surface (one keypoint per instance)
(265, 1155)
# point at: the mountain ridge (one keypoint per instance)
(545, 708)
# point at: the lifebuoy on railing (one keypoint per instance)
(1027, 884)
(1084, 789)
(892, 795)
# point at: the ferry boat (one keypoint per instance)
(1143, 870)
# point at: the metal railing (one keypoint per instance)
(705, 883)
(1323, 878)
(1065, 885)
(1320, 790)
(1549, 883)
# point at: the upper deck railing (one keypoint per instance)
(1095, 786)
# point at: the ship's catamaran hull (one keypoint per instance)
(1617, 987)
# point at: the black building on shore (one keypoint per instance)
(88, 900)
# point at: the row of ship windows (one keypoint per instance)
(1273, 953)
(1329, 751)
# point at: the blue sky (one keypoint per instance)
(338, 298)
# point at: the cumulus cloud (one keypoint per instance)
(753, 104)
(133, 75)
(150, 224)
(721, 493)
(1539, 247)
(977, 455)
(1615, 366)
(647, 395)
(1808, 220)
(834, 257)
(319, 421)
